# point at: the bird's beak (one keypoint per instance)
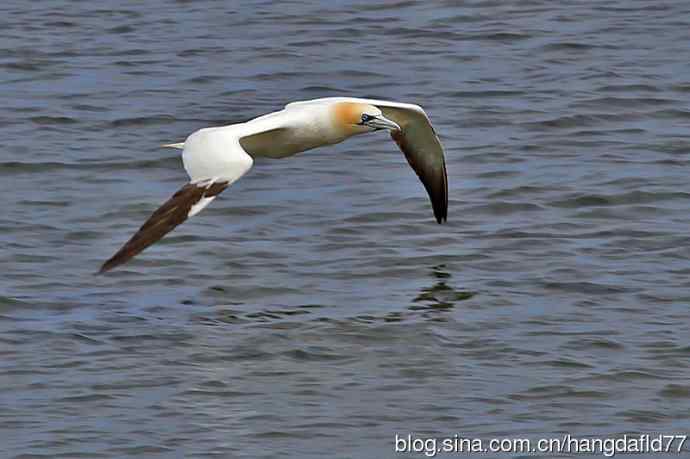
(381, 122)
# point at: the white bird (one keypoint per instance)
(216, 157)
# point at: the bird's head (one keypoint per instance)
(358, 118)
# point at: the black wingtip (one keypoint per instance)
(440, 209)
(105, 267)
(120, 258)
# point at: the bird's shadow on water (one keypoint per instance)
(440, 297)
(433, 302)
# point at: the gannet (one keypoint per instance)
(215, 157)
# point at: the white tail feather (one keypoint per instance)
(174, 145)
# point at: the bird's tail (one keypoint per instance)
(174, 145)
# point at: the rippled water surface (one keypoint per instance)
(316, 309)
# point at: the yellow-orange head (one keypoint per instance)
(357, 118)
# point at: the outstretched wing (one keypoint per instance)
(422, 148)
(419, 143)
(187, 202)
(214, 161)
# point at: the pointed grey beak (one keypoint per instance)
(381, 122)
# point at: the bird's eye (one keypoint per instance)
(366, 117)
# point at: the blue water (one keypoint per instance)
(316, 309)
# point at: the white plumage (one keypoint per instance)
(216, 157)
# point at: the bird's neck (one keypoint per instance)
(321, 126)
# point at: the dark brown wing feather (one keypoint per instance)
(424, 152)
(165, 219)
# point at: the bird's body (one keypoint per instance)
(216, 157)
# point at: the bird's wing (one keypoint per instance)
(420, 144)
(424, 152)
(213, 164)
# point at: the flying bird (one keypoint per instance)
(216, 157)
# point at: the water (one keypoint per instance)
(316, 309)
